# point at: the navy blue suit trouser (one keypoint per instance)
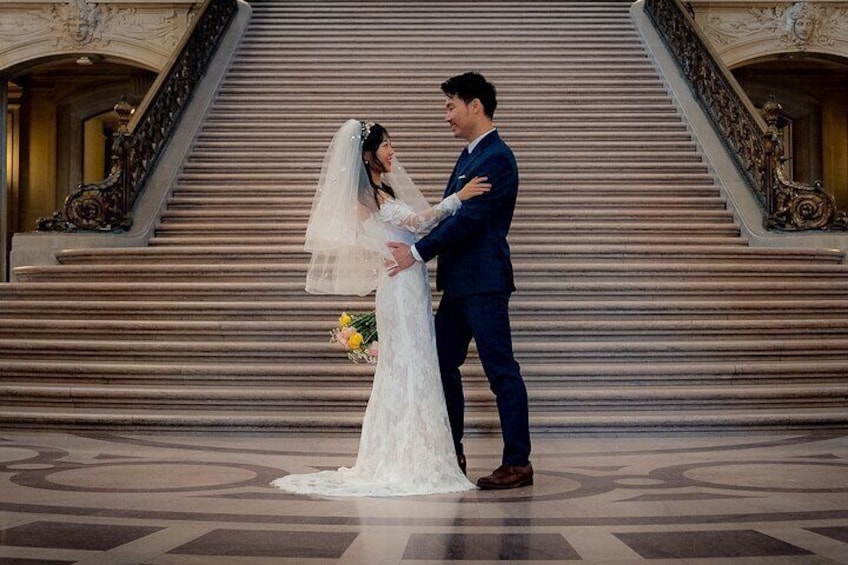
(485, 317)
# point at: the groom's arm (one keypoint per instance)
(474, 214)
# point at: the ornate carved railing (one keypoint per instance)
(751, 139)
(143, 135)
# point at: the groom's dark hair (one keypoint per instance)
(469, 86)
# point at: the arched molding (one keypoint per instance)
(744, 31)
(145, 34)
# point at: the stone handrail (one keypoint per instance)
(144, 134)
(752, 139)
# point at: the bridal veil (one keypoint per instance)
(345, 259)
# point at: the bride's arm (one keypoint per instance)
(402, 216)
(420, 223)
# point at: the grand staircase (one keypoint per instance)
(639, 306)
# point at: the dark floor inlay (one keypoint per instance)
(249, 543)
(501, 547)
(16, 561)
(693, 545)
(836, 532)
(62, 535)
(677, 497)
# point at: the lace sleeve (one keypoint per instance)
(402, 216)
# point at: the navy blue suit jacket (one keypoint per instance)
(473, 254)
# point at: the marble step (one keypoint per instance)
(80, 303)
(431, 159)
(576, 176)
(433, 130)
(477, 398)
(580, 139)
(418, 143)
(317, 330)
(557, 252)
(570, 351)
(339, 373)
(596, 190)
(543, 291)
(522, 215)
(534, 278)
(595, 421)
(564, 199)
(250, 234)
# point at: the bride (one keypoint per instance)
(364, 200)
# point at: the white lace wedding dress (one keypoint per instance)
(406, 446)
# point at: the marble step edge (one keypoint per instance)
(92, 303)
(195, 167)
(594, 422)
(632, 159)
(638, 291)
(431, 135)
(535, 212)
(341, 372)
(559, 87)
(561, 269)
(285, 283)
(529, 351)
(563, 197)
(183, 236)
(671, 251)
(318, 327)
(308, 175)
(476, 397)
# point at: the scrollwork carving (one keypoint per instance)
(801, 26)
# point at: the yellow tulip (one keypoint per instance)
(345, 320)
(355, 340)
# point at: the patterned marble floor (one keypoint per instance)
(204, 499)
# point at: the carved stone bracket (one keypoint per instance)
(752, 141)
(106, 206)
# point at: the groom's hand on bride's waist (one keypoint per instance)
(403, 258)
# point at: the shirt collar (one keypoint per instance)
(476, 142)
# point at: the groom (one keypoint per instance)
(475, 275)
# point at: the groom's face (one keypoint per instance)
(460, 117)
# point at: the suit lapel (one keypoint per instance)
(465, 163)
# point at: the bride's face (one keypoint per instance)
(385, 154)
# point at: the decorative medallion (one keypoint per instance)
(77, 24)
(801, 25)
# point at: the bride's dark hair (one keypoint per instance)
(370, 144)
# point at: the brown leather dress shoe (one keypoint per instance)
(460, 460)
(507, 476)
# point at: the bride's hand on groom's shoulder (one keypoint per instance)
(474, 187)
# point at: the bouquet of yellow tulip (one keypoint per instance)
(357, 334)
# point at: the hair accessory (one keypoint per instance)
(365, 129)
